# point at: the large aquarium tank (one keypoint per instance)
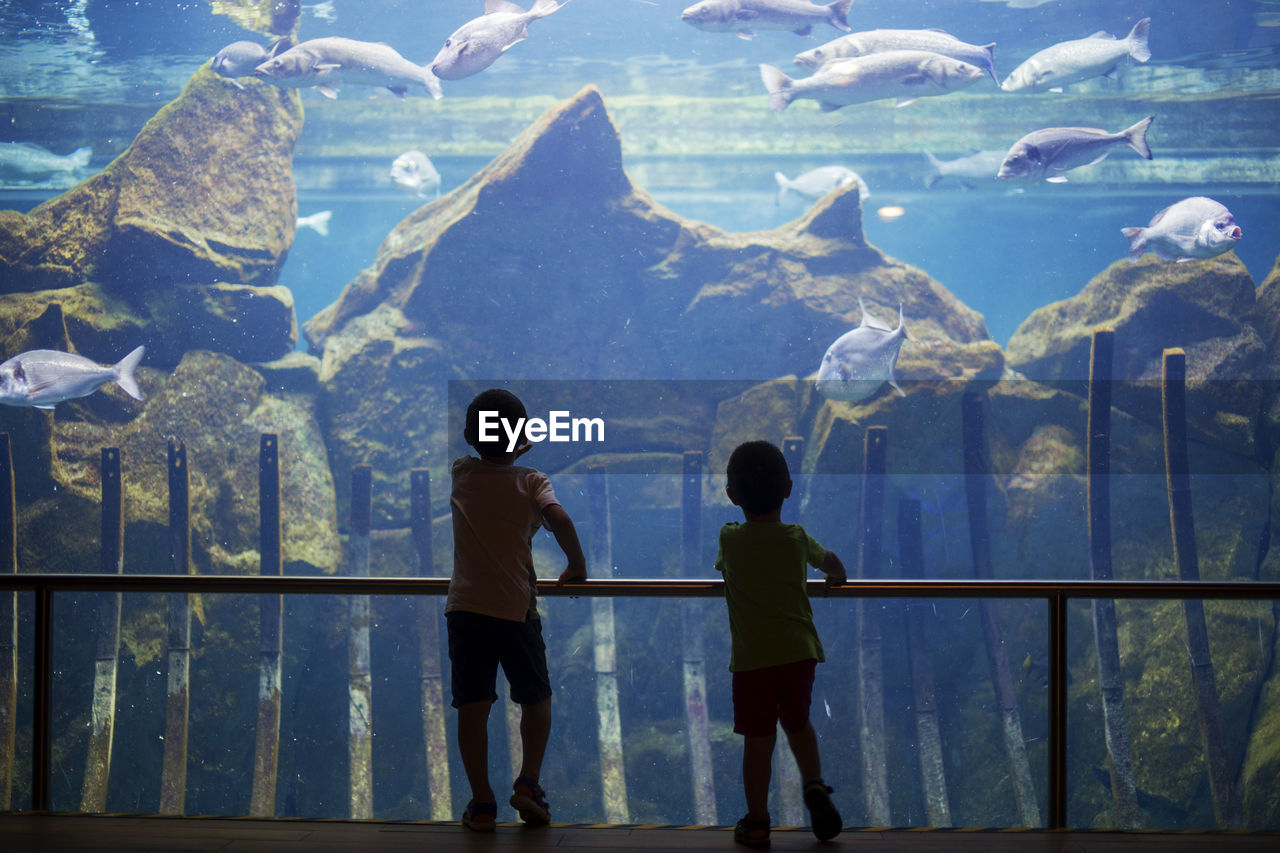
(999, 277)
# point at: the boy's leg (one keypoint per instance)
(535, 730)
(804, 746)
(473, 744)
(757, 767)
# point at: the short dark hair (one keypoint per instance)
(758, 476)
(509, 409)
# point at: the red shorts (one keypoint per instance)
(762, 698)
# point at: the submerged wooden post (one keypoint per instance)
(976, 473)
(1226, 806)
(428, 623)
(173, 773)
(97, 771)
(8, 626)
(693, 654)
(613, 780)
(266, 749)
(359, 681)
(933, 776)
(1124, 793)
(875, 773)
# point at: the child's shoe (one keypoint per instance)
(823, 817)
(530, 801)
(480, 817)
(753, 833)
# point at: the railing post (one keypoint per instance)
(1057, 711)
(266, 750)
(359, 680)
(693, 654)
(173, 776)
(613, 781)
(428, 622)
(875, 774)
(8, 626)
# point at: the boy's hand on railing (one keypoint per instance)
(834, 570)
(572, 574)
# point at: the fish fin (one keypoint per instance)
(894, 385)
(398, 91)
(870, 321)
(746, 34)
(828, 107)
(234, 82)
(1183, 260)
(1057, 179)
(778, 85)
(1059, 90)
(1103, 34)
(783, 184)
(902, 102)
(520, 36)
(840, 14)
(1098, 159)
(124, 373)
(492, 6)
(1111, 74)
(279, 46)
(1136, 136)
(328, 91)
(804, 31)
(48, 407)
(1139, 50)
(322, 67)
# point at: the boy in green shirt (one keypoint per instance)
(775, 646)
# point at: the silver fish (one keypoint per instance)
(1195, 227)
(878, 41)
(976, 167)
(744, 17)
(414, 172)
(816, 183)
(317, 222)
(861, 360)
(902, 74)
(1079, 59)
(328, 63)
(239, 59)
(1049, 152)
(43, 377)
(475, 45)
(30, 162)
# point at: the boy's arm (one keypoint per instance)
(833, 569)
(561, 526)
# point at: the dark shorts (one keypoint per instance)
(762, 698)
(478, 643)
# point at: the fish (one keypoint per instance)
(28, 161)
(240, 58)
(878, 41)
(328, 63)
(1079, 59)
(978, 166)
(1193, 228)
(475, 45)
(414, 172)
(744, 17)
(816, 183)
(43, 377)
(317, 222)
(902, 74)
(861, 360)
(1050, 152)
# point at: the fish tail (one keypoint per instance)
(936, 165)
(545, 7)
(1136, 136)
(840, 14)
(778, 85)
(124, 373)
(432, 83)
(783, 185)
(1137, 238)
(1138, 47)
(990, 51)
(321, 222)
(80, 157)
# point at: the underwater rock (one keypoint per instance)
(1208, 308)
(203, 194)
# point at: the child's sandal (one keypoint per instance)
(823, 817)
(532, 806)
(480, 817)
(753, 833)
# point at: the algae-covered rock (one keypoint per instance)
(204, 194)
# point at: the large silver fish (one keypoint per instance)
(475, 45)
(861, 360)
(969, 170)
(1195, 227)
(816, 183)
(328, 63)
(43, 377)
(878, 41)
(901, 74)
(1050, 152)
(27, 161)
(744, 17)
(1079, 59)
(414, 172)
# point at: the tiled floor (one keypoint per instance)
(21, 833)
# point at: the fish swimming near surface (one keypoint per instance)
(970, 170)
(861, 360)
(475, 45)
(1079, 59)
(744, 17)
(901, 74)
(816, 183)
(1193, 228)
(27, 161)
(329, 63)
(43, 377)
(317, 222)
(1050, 152)
(414, 172)
(878, 41)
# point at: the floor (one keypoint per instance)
(21, 833)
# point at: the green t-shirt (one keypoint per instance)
(770, 621)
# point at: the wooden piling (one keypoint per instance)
(359, 680)
(8, 626)
(173, 774)
(693, 654)
(871, 735)
(600, 565)
(1226, 805)
(427, 608)
(976, 474)
(97, 771)
(933, 776)
(1106, 643)
(266, 749)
